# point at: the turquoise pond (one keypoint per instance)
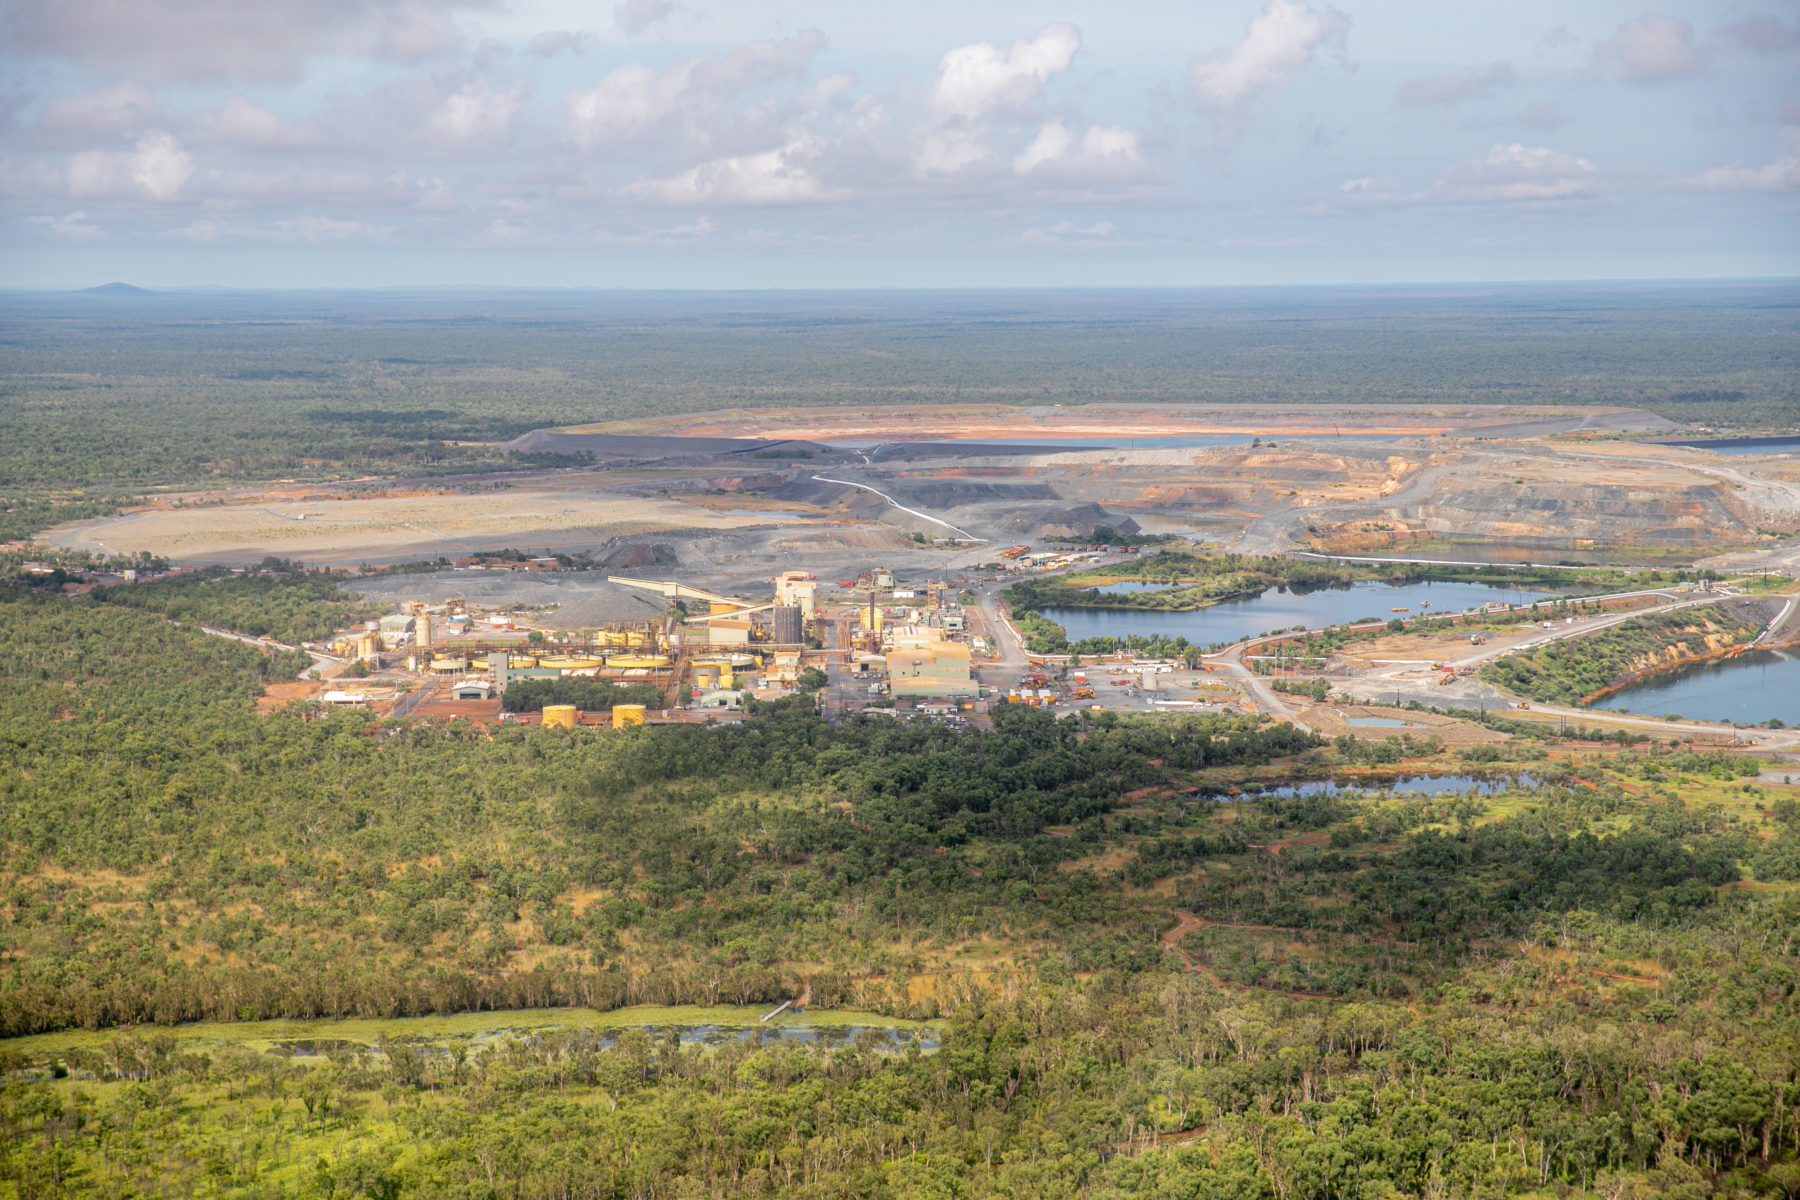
(1276, 609)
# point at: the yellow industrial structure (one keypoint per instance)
(728, 632)
(638, 662)
(626, 715)
(934, 669)
(563, 662)
(797, 589)
(560, 715)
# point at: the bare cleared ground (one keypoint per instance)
(1330, 721)
(335, 530)
(1471, 483)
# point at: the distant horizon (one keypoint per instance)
(1571, 281)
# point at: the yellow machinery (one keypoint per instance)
(560, 715)
(626, 715)
(727, 680)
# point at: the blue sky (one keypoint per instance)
(657, 143)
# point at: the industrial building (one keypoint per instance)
(798, 589)
(936, 668)
(728, 631)
(394, 629)
(789, 624)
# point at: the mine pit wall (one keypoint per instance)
(1761, 609)
(1598, 514)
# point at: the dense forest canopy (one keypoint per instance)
(1544, 991)
(277, 599)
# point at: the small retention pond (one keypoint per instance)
(1748, 689)
(693, 1024)
(1421, 785)
(1275, 610)
(1745, 446)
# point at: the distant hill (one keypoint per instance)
(116, 289)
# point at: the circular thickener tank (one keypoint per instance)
(562, 715)
(643, 661)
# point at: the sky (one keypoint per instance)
(667, 143)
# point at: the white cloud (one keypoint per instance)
(435, 196)
(625, 104)
(979, 79)
(980, 87)
(321, 230)
(1371, 189)
(669, 235)
(1509, 173)
(1069, 233)
(396, 190)
(71, 227)
(950, 152)
(475, 118)
(1105, 153)
(500, 229)
(1515, 173)
(83, 116)
(229, 39)
(773, 177)
(1275, 46)
(634, 16)
(635, 99)
(203, 232)
(1446, 91)
(33, 178)
(1782, 174)
(157, 169)
(827, 90)
(1650, 49)
(256, 128)
(160, 166)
